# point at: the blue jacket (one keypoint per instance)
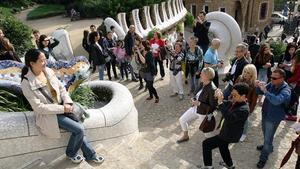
(275, 101)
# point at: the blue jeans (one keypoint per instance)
(193, 83)
(101, 71)
(77, 140)
(268, 128)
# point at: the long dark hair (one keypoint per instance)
(262, 57)
(92, 37)
(287, 55)
(32, 55)
(41, 39)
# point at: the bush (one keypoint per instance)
(105, 8)
(18, 33)
(44, 11)
(278, 49)
(189, 20)
(85, 96)
(10, 102)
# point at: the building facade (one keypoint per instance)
(251, 15)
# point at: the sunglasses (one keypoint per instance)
(275, 78)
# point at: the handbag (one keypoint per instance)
(78, 114)
(208, 124)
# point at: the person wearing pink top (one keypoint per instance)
(119, 51)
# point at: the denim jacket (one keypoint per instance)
(275, 101)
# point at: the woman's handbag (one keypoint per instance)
(208, 124)
(78, 114)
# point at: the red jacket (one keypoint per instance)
(296, 76)
(155, 45)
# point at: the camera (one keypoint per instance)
(227, 77)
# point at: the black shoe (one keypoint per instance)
(260, 147)
(186, 82)
(261, 164)
(134, 80)
(141, 87)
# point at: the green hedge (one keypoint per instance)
(44, 11)
(105, 8)
(18, 33)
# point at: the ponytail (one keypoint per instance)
(25, 70)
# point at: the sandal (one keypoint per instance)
(76, 159)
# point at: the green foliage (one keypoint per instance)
(103, 94)
(189, 20)
(10, 102)
(54, 1)
(278, 5)
(278, 49)
(85, 96)
(105, 8)
(46, 11)
(180, 27)
(151, 33)
(16, 5)
(18, 33)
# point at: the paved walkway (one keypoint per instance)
(155, 146)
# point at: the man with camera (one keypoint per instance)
(277, 96)
(239, 62)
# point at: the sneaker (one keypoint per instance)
(76, 159)
(243, 138)
(261, 164)
(181, 96)
(98, 160)
(174, 95)
(205, 167)
(185, 82)
(223, 164)
(260, 147)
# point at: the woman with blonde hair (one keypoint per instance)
(249, 76)
(204, 103)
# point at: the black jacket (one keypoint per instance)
(208, 102)
(240, 64)
(201, 32)
(97, 55)
(129, 43)
(234, 119)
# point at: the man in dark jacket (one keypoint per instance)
(200, 30)
(237, 66)
(129, 42)
(234, 113)
(277, 96)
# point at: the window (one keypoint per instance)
(205, 8)
(193, 10)
(222, 9)
(263, 11)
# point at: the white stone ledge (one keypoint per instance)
(19, 137)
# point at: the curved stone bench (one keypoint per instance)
(21, 142)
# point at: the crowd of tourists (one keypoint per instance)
(253, 80)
